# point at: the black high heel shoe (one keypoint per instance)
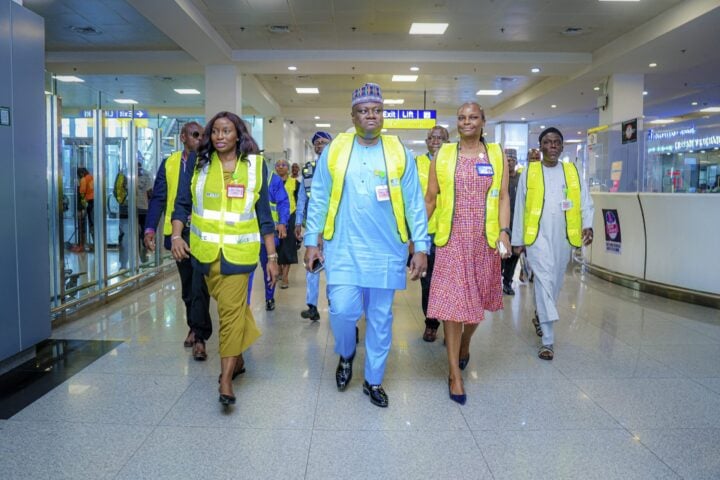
(461, 399)
(464, 361)
(226, 399)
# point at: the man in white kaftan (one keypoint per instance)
(549, 254)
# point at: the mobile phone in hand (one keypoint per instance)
(317, 266)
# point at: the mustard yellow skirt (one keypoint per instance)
(237, 324)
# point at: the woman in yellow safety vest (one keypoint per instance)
(228, 199)
(468, 192)
(287, 250)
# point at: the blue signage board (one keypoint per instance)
(116, 113)
(409, 119)
(409, 114)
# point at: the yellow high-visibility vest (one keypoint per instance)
(273, 205)
(535, 201)
(445, 165)
(172, 178)
(222, 223)
(290, 186)
(338, 159)
(423, 168)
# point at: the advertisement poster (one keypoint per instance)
(612, 231)
(629, 131)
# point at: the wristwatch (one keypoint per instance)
(507, 230)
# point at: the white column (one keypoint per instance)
(624, 99)
(223, 90)
(515, 136)
(274, 135)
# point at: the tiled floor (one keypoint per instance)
(634, 392)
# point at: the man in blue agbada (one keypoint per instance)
(367, 203)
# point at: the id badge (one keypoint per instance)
(484, 169)
(235, 191)
(382, 193)
(566, 205)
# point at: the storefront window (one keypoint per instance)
(684, 157)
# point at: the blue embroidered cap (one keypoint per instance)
(370, 92)
(321, 134)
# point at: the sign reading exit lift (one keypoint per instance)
(409, 119)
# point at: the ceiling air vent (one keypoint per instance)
(574, 31)
(87, 30)
(279, 28)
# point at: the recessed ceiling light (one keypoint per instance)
(694, 104)
(535, 70)
(164, 117)
(553, 106)
(428, 28)
(125, 101)
(418, 142)
(542, 126)
(383, 130)
(68, 79)
(322, 125)
(292, 68)
(444, 125)
(652, 65)
(187, 91)
(404, 78)
(394, 101)
(414, 69)
(317, 117)
(313, 90)
(522, 118)
(662, 121)
(645, 92)
(710, 109)
(579, 133)
(573, 140)
(596, 89)
(488, 92)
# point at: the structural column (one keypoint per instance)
(223, 90)
(513, 136)
(624, 99)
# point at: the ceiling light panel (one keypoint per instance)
(68, 79)
(187, 91)
(394, 101)
(404, 78)
(125, 101)
(488, 92)
(308, 90)
(428, 28)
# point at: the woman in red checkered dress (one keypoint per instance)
(466, 279)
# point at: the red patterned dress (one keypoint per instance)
(466, 279)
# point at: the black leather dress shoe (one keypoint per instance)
(343, 372)
(311, 313)
(270, 304)
(376, 393)
(508, 290)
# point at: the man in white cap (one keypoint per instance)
(367, 203)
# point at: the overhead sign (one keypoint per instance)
(409, 119)
(116, 113)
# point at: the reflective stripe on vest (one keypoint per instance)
(172, 178)
(222, 223)
(423, 169)
(445, 166)
(535, 202)
(338, 159)
(273, 205)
